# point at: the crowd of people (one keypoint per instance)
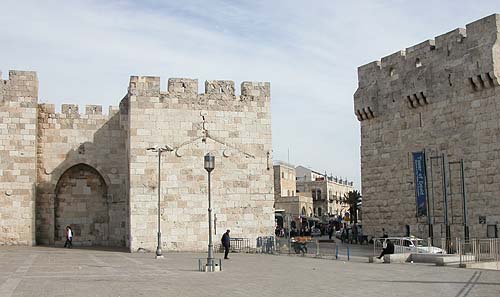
(348, 233)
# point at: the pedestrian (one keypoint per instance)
(388, 249)
(330, 232)
(360, 236)
(355, 233)
(69, 237)
(226, 243)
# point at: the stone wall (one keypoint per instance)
(18, 101)
(236, 129)
(441, 96)
(93, 171)
(70, 139)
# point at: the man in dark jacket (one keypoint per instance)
(388, 250)
(226, 243)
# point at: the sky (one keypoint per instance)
(84, 52)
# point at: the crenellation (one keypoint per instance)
(367, 74)
(421, 48)
(70, 110)
(17, 75)
(451, 40)
(21, 86)
(254, 90)
(462, 57)
(483, 31)
(391, 65)
(224, 88)
(183, 86)
(93, 109)
(144, 85)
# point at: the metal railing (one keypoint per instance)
(318, 248)
(265, 244)
(408, 245)
(237, 245)
(479, 250)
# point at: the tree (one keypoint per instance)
(353, 199)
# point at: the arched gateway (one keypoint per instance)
(81, 201)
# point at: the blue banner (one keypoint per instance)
(419, 171)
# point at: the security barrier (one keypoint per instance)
(479, 250)
(237, 245)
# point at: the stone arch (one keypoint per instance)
(57, 173)
(81, 201)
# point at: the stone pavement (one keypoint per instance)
(44, 271)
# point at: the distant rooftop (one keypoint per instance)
(283, 163)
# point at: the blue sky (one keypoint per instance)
(85, 51)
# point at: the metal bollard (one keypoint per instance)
(348, 256)
(336, 252)
(317, 248)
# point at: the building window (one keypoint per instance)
(319, 211)
(293, 194)
(283, 175)
(491, 231)
(418, 63)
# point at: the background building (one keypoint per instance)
(328, 192)
(285, 193)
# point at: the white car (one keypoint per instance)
(413, 245)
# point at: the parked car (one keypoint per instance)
(413, 245)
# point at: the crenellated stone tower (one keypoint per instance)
(18, 117)
(236, 129)
(92, 170)
(441, 96)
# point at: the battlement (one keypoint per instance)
(72, 111)
(188, 88)
(469, 56)
(20, 84)
(479, 33)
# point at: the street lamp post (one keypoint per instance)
(159, 150)
(209, 164)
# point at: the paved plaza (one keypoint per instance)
(43, 271)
